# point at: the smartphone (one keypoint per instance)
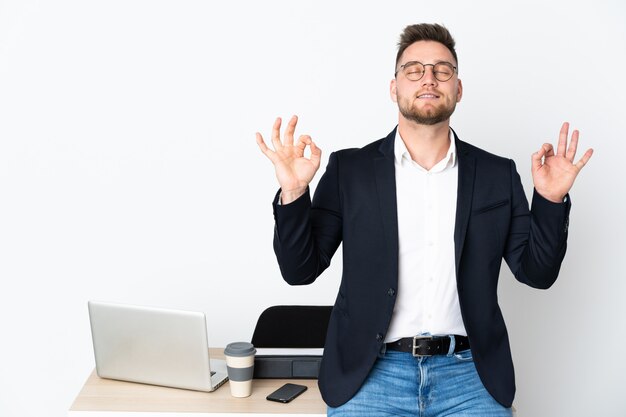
(286, 393)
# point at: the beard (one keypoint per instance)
(430, 116)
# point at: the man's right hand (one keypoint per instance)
(293, 170)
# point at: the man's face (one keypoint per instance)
(426, 101)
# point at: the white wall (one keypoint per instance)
(129, 172)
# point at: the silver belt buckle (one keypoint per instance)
(415, 339)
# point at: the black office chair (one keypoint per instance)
(292, 327)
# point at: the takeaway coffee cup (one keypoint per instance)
(240, 366)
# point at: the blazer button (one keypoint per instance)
(391, 292)
(379, 337)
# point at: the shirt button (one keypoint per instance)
(379, 337)
(431, 243)
(391, 292)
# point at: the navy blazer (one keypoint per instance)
(355, 203)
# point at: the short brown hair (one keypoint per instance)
(425, 32)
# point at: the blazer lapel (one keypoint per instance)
(385, 175)
(465, 190)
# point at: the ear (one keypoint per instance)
(393, 92)
(459, 91)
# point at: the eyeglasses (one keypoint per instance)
(414, 70)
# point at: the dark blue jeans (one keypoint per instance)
(434, 386)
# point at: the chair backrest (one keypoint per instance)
(292, 327)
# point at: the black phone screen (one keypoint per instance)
(286, 393)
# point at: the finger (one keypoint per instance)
(549, 149)
(536, 158)
(573, 145)
(291, 128)
(276, 134)
(267, 151)
(316, 154)
(303, 140)
(563, 139)
(583, 161)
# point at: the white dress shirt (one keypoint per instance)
(427, 300)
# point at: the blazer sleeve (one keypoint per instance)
(307, 234)
(537, 239)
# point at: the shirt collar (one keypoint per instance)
(400, 152)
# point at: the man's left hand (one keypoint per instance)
(554, 174)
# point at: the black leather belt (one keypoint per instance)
(429, 345)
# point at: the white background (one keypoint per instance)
(129, 170)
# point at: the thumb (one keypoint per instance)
(316, 154)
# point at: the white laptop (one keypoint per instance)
(154, 346)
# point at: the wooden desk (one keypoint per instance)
(105, 397)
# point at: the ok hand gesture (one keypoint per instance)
(293, 170)
(554, 174)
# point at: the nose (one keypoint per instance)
(429, 75)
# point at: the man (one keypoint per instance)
(425, 220)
